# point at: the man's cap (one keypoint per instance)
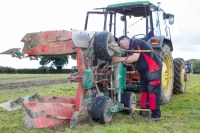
(121, 37)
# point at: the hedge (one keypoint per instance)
(9, 70)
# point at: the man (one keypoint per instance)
(149, 66)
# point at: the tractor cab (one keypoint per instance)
(140, 19)
(144, 20)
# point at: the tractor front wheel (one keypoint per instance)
(167, 73)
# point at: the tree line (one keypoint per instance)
(57, 63)
(56, 66)
(41, 70)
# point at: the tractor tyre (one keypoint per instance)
(167, 73)
(129, 100)
(179, 76)
(100, 46)
(100, 109)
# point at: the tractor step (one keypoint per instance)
(144, 113)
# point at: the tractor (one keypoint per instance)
(189, 68)
(104, 88)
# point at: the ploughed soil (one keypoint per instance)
(31, 84)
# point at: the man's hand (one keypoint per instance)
(117, 59)
(120, 59)
(127, 60)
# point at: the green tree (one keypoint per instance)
(190, 61)
(73, 56)
(56, 61)
(196, 66)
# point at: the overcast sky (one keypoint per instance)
(19, 17)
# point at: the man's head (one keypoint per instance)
(123, 42)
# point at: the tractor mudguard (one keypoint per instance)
(82, 38)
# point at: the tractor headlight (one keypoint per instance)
(170, 17)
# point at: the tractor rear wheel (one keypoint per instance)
(100, 109)
(129, 100)
(179, 76)
(101, 45)
(167, 73)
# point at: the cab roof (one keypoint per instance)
(136, 8)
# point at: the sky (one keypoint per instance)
(19, 17)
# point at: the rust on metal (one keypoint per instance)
(53, 111)
(48, 43)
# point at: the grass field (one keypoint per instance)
(181, 115)
(15, 78)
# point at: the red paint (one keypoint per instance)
(136, 76)
(32, 52)
(57, 46)
(128, 78)
(47, 113)
(43, 48)
(143, 99)
(154, 83)
(133, 76)
(81, 68)
(152, 101)
(32, 104)
(47, 44)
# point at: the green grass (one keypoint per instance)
(14, 78)
(181, 115)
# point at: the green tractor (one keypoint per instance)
(145, 20)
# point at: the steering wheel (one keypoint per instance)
(138, 35)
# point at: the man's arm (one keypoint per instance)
(132, 58)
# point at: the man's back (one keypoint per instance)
(148, 61)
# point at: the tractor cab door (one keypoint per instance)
(159, 24)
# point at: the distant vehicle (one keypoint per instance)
(189, 68)
(74, 68)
